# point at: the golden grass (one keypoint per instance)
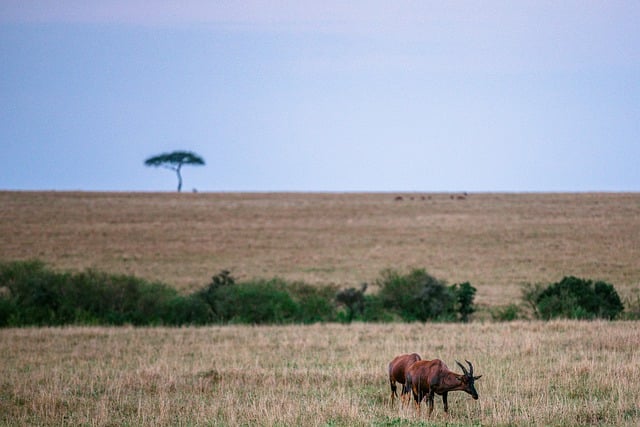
(534, 373)
(495, 241)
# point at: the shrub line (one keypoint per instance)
(31, 294)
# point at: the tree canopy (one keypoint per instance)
(174, 161)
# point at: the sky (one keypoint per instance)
(336, 96)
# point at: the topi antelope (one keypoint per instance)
(429, 377)
(397, 371)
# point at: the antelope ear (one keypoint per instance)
(460, 378)
(478, 377)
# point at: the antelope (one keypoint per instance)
(397, 372)
(429, 377)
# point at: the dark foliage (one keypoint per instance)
(416, 296)
(354, 301)
(265, 301)
(315, 303)
(174, 161)
(35, 295)
(464, 295)
(214, 295)
(259, 302)
(374, 310)
(576, 298)
(32, 294)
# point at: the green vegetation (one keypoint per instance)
(506, 313)
(418, 296)
(35, 295)
(464, 295)
(575, 298)
(353, 300)
(32, 294)
(174, 161)
(264, 301)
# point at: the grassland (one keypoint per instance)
(534, 373)
(495, 241)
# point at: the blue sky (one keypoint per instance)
(321, 96)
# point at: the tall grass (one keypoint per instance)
(534, 373)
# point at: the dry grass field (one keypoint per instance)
(495, 241)
(533, 373)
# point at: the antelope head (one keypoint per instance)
(468, 380)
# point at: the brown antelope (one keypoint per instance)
(397, 372)
(429, 377)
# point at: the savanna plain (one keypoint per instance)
(533, 373)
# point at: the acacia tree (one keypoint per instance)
(174, 161)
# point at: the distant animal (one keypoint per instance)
(427, 378)
(397, 372)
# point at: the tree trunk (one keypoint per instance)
(179, 178)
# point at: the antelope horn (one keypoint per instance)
(470, 367)
(464, 370)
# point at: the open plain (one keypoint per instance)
(495, 241)
(534, 373)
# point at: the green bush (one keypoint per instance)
(216, 296)
(186, 310)
(353, 300)
(374, 310)
(262, 302)
(255, 302)
(34, 292)
(464, 294)
(31, 294)
(576, 298)
(416, 296)
(35, 295)
(506, 313)
(265, 301)
(314, 302)
(8, 311)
